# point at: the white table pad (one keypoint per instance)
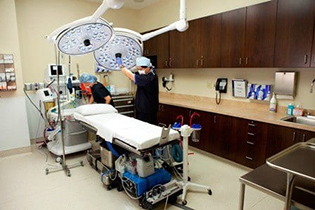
(136, 133)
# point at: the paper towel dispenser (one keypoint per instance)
(285, 83)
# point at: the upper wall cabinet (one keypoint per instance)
(158, 46)
(193, 44)
(313, 50)
(177, 47)
(210, 41)
(260, 35)
(295, 24)
(232, 38)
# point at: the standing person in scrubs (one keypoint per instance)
(100, 94)
(147, 95)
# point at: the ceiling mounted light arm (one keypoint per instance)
(107, 4)
(181, 25)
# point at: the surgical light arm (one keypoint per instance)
(107, 4)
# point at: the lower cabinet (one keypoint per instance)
(243, 141)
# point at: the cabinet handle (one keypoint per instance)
(170, 63)
(305, 59)
(201, 62)
(197, 62)
(240, 61)
(313, 58)
(249, 158)
(294, 136)
(215, 119)
(252, 125)
(165, 63)
(303, 138)
(246, 60)
(251, 134)
(250, 143)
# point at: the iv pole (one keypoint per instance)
(63, 167)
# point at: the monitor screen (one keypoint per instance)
(53, 70)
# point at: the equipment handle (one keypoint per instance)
(192, 116)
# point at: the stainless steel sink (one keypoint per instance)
(300, 120)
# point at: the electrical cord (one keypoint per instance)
(216, 98)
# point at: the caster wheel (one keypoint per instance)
(91, 164)
(189, 179)
(58, 160)
(68, 173)
(184, 202)
(46, 171)
(81, 163)
(109, 187)
(209, 192)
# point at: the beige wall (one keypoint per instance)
(12, 103)
(201, 82)
(166, 12)
(38, 18)
(9, 42)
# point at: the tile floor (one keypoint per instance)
(24, 185)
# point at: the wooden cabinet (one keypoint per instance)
(280, 138)
(295, 24)
(248, 36)
(158, 46)
(243, 141)
(167, 114)
(202, 43)
(192, 47)
(232, 38)
(260, 35)
(313, 50)
(177, 47)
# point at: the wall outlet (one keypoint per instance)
(210, 85)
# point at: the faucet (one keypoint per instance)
(312, 84)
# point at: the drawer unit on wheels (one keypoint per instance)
(125, 104)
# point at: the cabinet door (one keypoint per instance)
(295, 24)
(280, 138)
(193, 44)
(260, 34)
(177, 48)
(233, 38)
(313, 50)
(221, 134)
(211, 41)
(305, 135)
(167, 114)
(158, 46)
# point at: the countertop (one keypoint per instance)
(248, 110)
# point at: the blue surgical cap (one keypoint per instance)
(143, 61)
(85, 77)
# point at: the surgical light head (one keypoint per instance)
(84, 38)
(127, 43)
(85, 77)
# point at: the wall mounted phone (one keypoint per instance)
(221, 87)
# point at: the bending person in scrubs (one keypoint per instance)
(147, 95)
(100, 94)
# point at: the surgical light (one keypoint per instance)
(125, 42)
(85, 38)
(87, 34)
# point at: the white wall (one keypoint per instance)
(13, 125)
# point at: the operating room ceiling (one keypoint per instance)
(133, 4)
